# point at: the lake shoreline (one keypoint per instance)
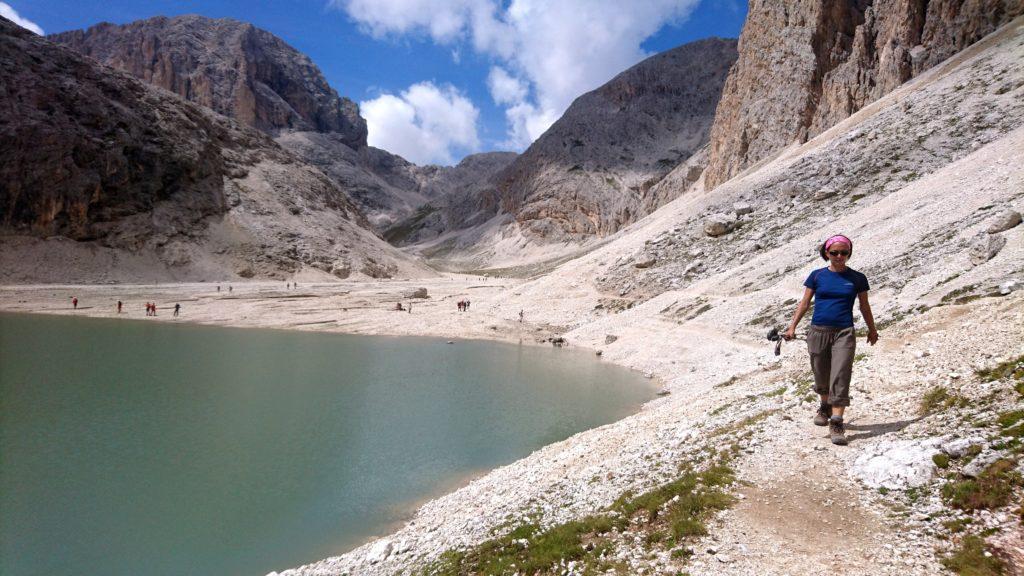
(364, 306)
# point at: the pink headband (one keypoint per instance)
(838, 238)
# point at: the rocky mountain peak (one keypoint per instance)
(232, 67)
(591, 171)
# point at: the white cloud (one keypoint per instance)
(554, 50)
(425, 124)
(11, 14)
(504, 88)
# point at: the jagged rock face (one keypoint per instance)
(234, 68)
(807, 64)
(460, 196)
(390, 190)
(96, 156)
(591, 172)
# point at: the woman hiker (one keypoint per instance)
(830, 339)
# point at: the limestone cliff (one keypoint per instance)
(232, 67)
(126, 170)
(805, 65)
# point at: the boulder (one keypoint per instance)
(1004, 221)
(379, 552)
(610, 338)
(1008, 286)
(960, 446)
(415, 293)
(719, 224)
(645, 262)
(897, 464)
(981, 462)
(985, 247)
(742, 208)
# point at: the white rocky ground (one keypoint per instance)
(927, 241)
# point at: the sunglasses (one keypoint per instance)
(838, 253)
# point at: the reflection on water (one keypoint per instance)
(129, 447)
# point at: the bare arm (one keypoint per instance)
(801, 309)
(865, 311)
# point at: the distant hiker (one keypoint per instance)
(230, 288)
(153, 307)
(467, 304)
(398, 307)
(520, 316)
(148, 309)
(177, 308)
(288, 285)
(218, 288)
(410, 308)
(831, 339)
(119, 304)
(74, 303)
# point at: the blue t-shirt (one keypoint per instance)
(834, 293)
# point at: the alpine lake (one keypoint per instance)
(131, 447)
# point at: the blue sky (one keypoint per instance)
(438, 79)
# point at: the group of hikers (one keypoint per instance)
(151, 308)
(463, 305)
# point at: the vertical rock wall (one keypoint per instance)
(805, 65)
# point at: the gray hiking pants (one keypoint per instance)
(832, 351)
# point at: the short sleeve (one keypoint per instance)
(862, 284)
(811, 281)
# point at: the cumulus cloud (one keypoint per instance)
(550, 51)
(11, 14)
(505, 89)
(426, 124)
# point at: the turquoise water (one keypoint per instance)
(134, 447)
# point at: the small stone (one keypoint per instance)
(719, 225)
(609, 338)
(742, 208)
(1004, 221)
(1007, 287)
(985, 246)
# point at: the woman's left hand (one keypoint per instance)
(872, 336)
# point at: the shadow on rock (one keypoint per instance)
(865, 431)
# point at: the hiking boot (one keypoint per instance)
(824, 413)
(837, 431)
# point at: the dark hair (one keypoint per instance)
(821, 250)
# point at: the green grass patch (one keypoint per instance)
(727, 383)
(941, 460)
(720, 409)
(969, 559)
(745, 423)
(1012, 369)
(666, 515)
(958, 525)
(1011, 423)
(938, 399)
(992, 488)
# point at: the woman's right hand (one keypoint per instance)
(790, 333)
